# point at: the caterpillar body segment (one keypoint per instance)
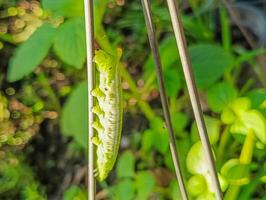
(108, 111)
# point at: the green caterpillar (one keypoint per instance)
(108, 111)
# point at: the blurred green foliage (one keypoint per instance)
(46, 84)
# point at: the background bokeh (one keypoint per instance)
(43, 99)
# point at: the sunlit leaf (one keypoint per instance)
(31, 53)
(145, 183)
(125, 190)
(175, 191)
(70, 43)
(209, 62)
(197, 185)
(213, 128)
(126, 165)
(74, 192)
(250, 120)
(196, 160)
(67, 8)
(258, 99)
(235, 172)
(74, 119)
(220, 96)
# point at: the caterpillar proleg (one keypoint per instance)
(108, 112)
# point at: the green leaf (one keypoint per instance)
(30, 192)
(125, 190)
(258, 100)
(206, 196)
(156, 137)
(183, 146)
(223, 182)
(66, 8)
(175, 191)
(74, 119)
(160, 142)
(209, 62)
(31, 53)
(70, 42)
(240, 104)
(197, 185)
(180, 121)
(173, 82)
(99, 11)
(228, 116)
(144, 184)
(196, 161)
(126, 165)
(168, 53)
(213, 128)
(235, 172)
(251, 119)
(147, 140)
(160, 136)
(170, 63)
(74, 192)
(220, 96)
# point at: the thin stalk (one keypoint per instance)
(88, 7)
(159, 73)
(246, 87)
(225, 26)
(193, 94)
(247, 56)
(223, 142)
(103, 41)
(144, 107)
(148, 83)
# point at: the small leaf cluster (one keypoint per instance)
(17, 123)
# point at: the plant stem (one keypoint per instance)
(148, 83)
(225, 26)
(224, 139)
(246, 87)
(247, 149)
(245, 158)
(145, 107)
(103, 41)
(247, 56)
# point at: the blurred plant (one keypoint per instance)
(234, 108)
(74, 193)
(17, 179)
(17, 123)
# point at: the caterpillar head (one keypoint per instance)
(104, 61)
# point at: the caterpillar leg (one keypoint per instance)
(95, 140)
(98, 111)
(95, 172)
(98, 93)
(97, 126)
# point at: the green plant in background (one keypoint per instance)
(74, 193)
(17, 124)
(17, 179)
(234, 109)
